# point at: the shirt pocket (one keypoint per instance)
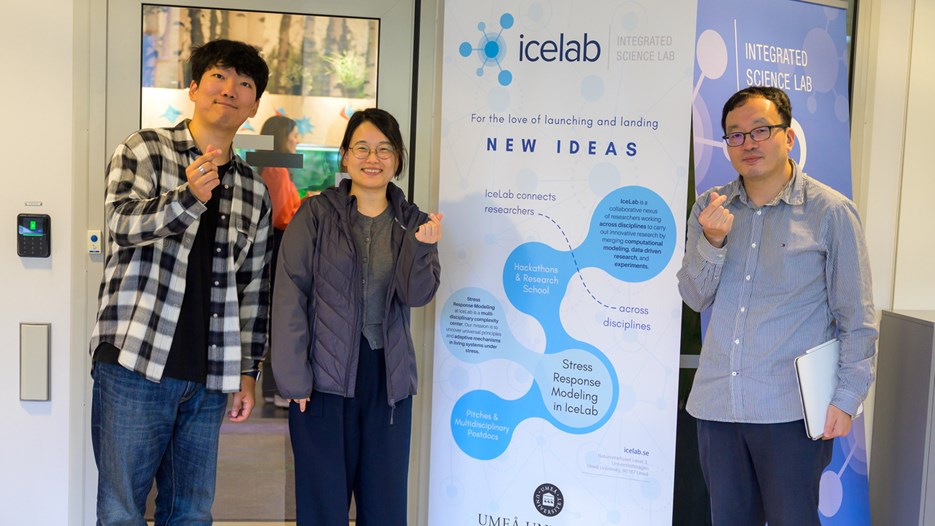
(795, 266)
(244, 238)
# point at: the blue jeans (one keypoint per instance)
(143, 431)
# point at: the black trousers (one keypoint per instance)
(358, 446)
(758, 473)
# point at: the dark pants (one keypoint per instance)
(759, 473)
(269, 382)
(358, 446)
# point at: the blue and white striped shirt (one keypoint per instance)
(789, 274)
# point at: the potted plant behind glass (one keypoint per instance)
(349, 70)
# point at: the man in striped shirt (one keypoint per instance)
(183, 317)
(781, 261)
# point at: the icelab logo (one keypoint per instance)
(491, 49)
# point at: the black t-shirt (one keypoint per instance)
(188, 356)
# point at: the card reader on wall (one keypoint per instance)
(34, 235)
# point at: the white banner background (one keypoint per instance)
(564, 167)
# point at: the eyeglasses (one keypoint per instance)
(759, 134)
(362, 151)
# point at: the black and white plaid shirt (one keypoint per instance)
(152, 218)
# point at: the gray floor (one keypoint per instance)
(255, 472)
(255, 480)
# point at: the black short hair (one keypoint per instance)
(244, 58)
(775, 95)
(384, 122)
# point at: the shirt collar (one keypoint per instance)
(182, 137)
(793, 193)
(184, 142)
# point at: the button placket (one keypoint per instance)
(746, 291)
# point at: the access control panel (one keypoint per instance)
(34, 235)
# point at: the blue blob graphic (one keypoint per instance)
(475, 330)
(632, 235)
(505, 78)
(538, 293)
(575, 387)
(482, 423)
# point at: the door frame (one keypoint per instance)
(115, 43)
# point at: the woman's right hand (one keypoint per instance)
(430, 232)
(301, 402)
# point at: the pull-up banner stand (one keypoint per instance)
(563, 178)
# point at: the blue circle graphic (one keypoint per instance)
(491, 49)
(506, 21)
(465, 49)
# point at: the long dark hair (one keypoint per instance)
(279, 127)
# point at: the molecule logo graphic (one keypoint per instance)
(490, 49)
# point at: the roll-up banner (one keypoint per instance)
(564, 162)
(800, 47)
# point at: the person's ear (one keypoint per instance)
(790, 138)
(192, 88)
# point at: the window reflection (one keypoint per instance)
(322, 69)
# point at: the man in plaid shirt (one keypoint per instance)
(184, 301)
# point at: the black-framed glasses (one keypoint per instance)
(383, 151)
(758, 134)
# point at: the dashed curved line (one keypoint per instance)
(575, 259)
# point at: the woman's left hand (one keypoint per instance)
(431, 231)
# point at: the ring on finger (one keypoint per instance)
(201, 168)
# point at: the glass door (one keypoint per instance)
(327, 60)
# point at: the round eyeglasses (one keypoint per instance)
(758, 134)
(362, 151)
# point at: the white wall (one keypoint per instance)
(41, 443)
(881, 73)
(915, 284)
(892, 110)
(879, 118)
